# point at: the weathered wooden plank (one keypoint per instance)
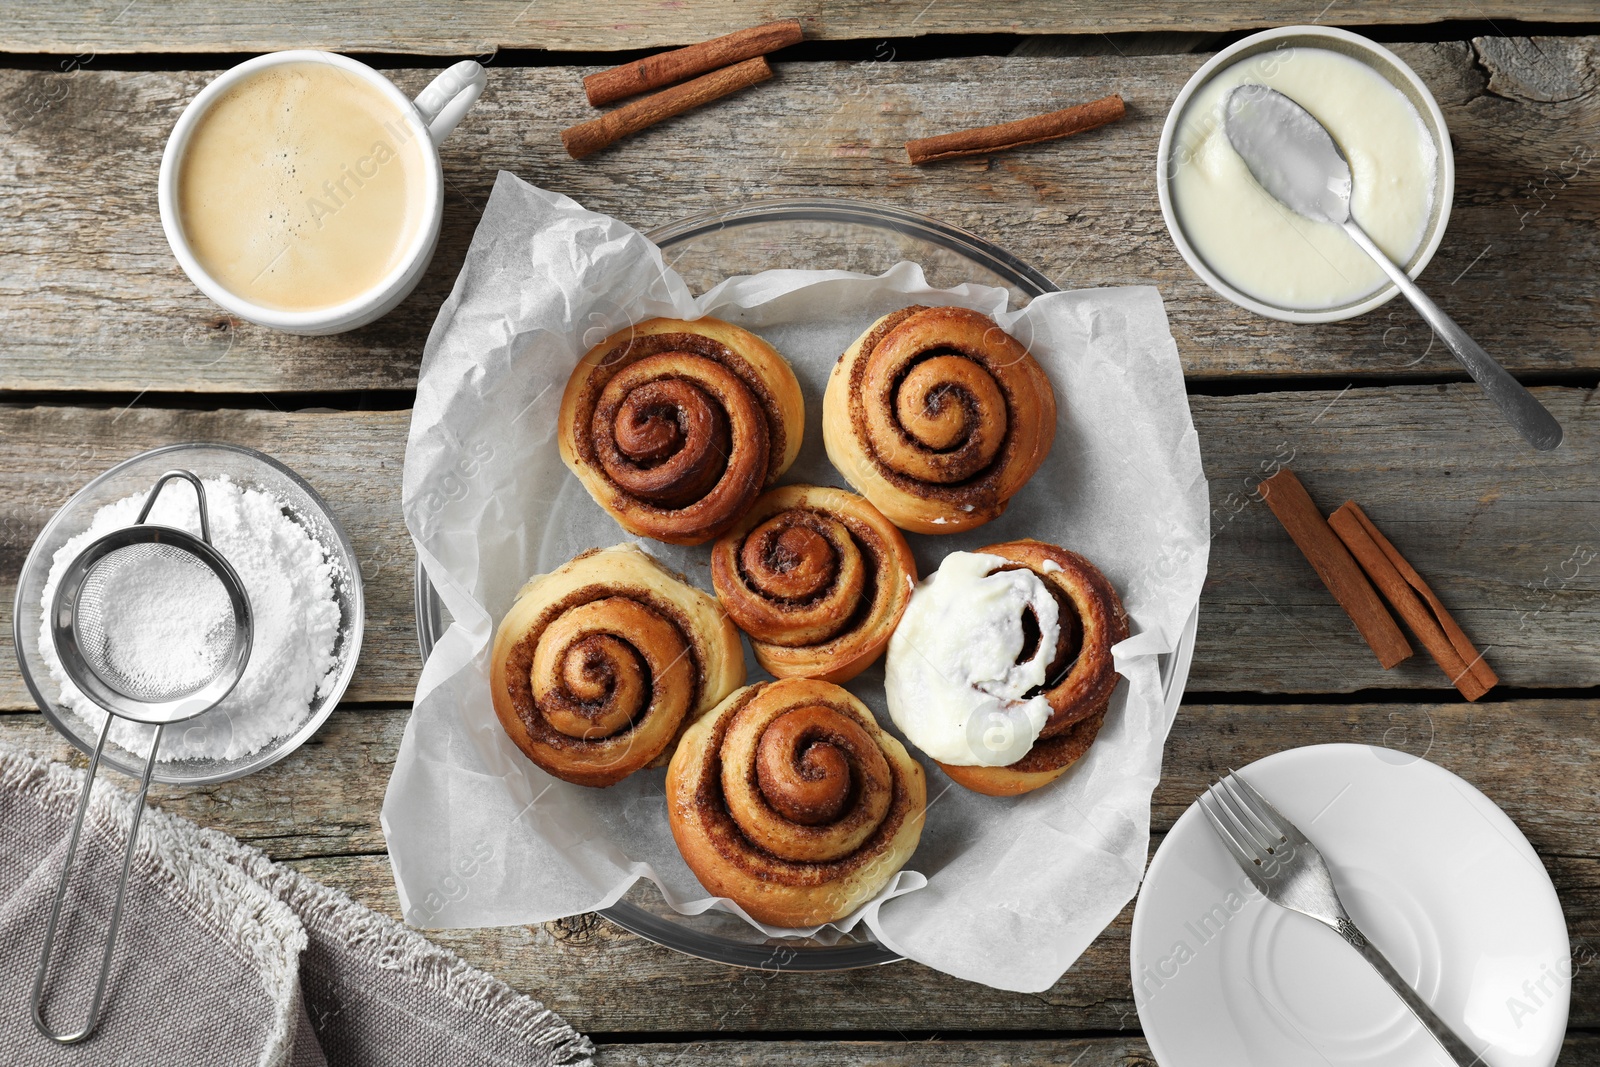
(1536, 758)
(604, 979)
(1580, 1050)
(1507, 536)
(90, 297)
(483, 26)
(1056, 1052)
(322, 800)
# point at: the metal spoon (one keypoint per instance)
(1295, 159)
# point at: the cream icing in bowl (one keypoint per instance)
(1253, 250)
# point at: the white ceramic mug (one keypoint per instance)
(429, 118)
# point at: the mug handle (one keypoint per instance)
(448, 98)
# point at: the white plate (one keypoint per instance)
(1436, 875)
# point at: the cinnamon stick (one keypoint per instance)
(589, 137)
(1414, 601)
(668, 68)
(1292, 505)
(1049, 127)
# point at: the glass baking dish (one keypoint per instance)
(805, 234)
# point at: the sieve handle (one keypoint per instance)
(122, 882)
(199, 492)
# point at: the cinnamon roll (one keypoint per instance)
(791, 801)
(938, 417)
(817, 578)
(675, 427)
(1001, 670)
(600, 665)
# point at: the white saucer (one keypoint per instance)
(1436, 875)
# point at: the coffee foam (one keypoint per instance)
(301, 187)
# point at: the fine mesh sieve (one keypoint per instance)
(187, 591)
(139, 598)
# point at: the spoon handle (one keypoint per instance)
(1529, 417)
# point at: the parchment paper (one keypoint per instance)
(1002, 891)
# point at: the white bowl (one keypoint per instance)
(1396, 73)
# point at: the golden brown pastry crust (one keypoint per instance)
(601, 664)
(1079, 698)
(817, 578)
(675, 427)
(791, 801)
(938, 417)
(1055, 756)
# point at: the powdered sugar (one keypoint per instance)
(161, 624)
(289, 580)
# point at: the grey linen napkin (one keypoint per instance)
(228, 958)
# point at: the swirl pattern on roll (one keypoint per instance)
(600, 664)
(675, 427)
(791, 801)
(938, 417)
(1082, 675)
(817, 578)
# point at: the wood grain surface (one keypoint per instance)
(318, 810)
(1580, 1050)
(482, 26)
(108, 350)
(1509, 538)
(92, 299)
(935, 1052)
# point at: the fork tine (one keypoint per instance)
(1225, 829)
(1268, 835)
(1264, 809)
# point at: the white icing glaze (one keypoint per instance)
(1261, 247)
(952, 679)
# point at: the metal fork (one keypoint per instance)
(1290, 872)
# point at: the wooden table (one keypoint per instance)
(107, 350)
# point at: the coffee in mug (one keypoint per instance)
(301, 190)
(301, 187)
